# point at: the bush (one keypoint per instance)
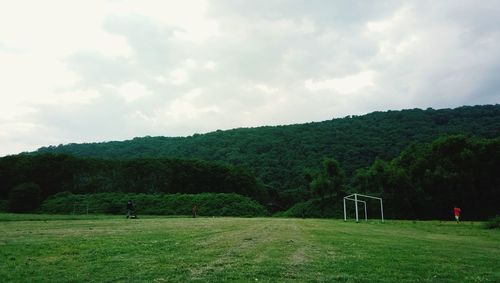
(25, 198)
(4, 205)
(493, 223)
(209, 204)
(315, 208)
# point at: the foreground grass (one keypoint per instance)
(110, 249)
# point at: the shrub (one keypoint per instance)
(493, 223)
(4, 205)
(24, 198)
(209, 204)
(315, 208)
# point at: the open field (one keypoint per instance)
(36, 248)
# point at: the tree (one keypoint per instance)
(329, 182)
(426, 180)
(25, 197)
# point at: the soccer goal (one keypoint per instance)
(356, 199)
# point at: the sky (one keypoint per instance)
(96, 70)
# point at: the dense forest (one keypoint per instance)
(416, 159)
(55, 173)
(425, 181)
(278, 155)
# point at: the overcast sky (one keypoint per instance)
(86, 71)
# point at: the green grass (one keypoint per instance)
(159, 249)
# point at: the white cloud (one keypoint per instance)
(181, 75)
(210, 66)
(344, 85)
(186, 107)
(58, 28)
(79, 96)
(188, 15)
(131, 91)
(108, 70)
(178, 77)
(260, 87)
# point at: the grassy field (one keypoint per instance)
(40, 248)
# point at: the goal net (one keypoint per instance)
(358, 200)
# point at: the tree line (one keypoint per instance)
(425, 181)
(301, 169)
(208, 204)
(54, 173)
(279, 155)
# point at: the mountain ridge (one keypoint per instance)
(278, 155)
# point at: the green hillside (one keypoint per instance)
(424, 181)
(279, 155)
(421, 162)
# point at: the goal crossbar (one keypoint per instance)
(354, 197)
(360, 195)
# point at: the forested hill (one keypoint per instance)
(279, 155)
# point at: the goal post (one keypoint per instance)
(81, 205)
(356, 200)
(356, 204)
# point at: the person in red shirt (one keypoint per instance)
(456, 211)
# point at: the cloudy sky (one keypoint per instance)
(85, 71)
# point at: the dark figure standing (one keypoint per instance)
(130, 210)
(194, 211)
